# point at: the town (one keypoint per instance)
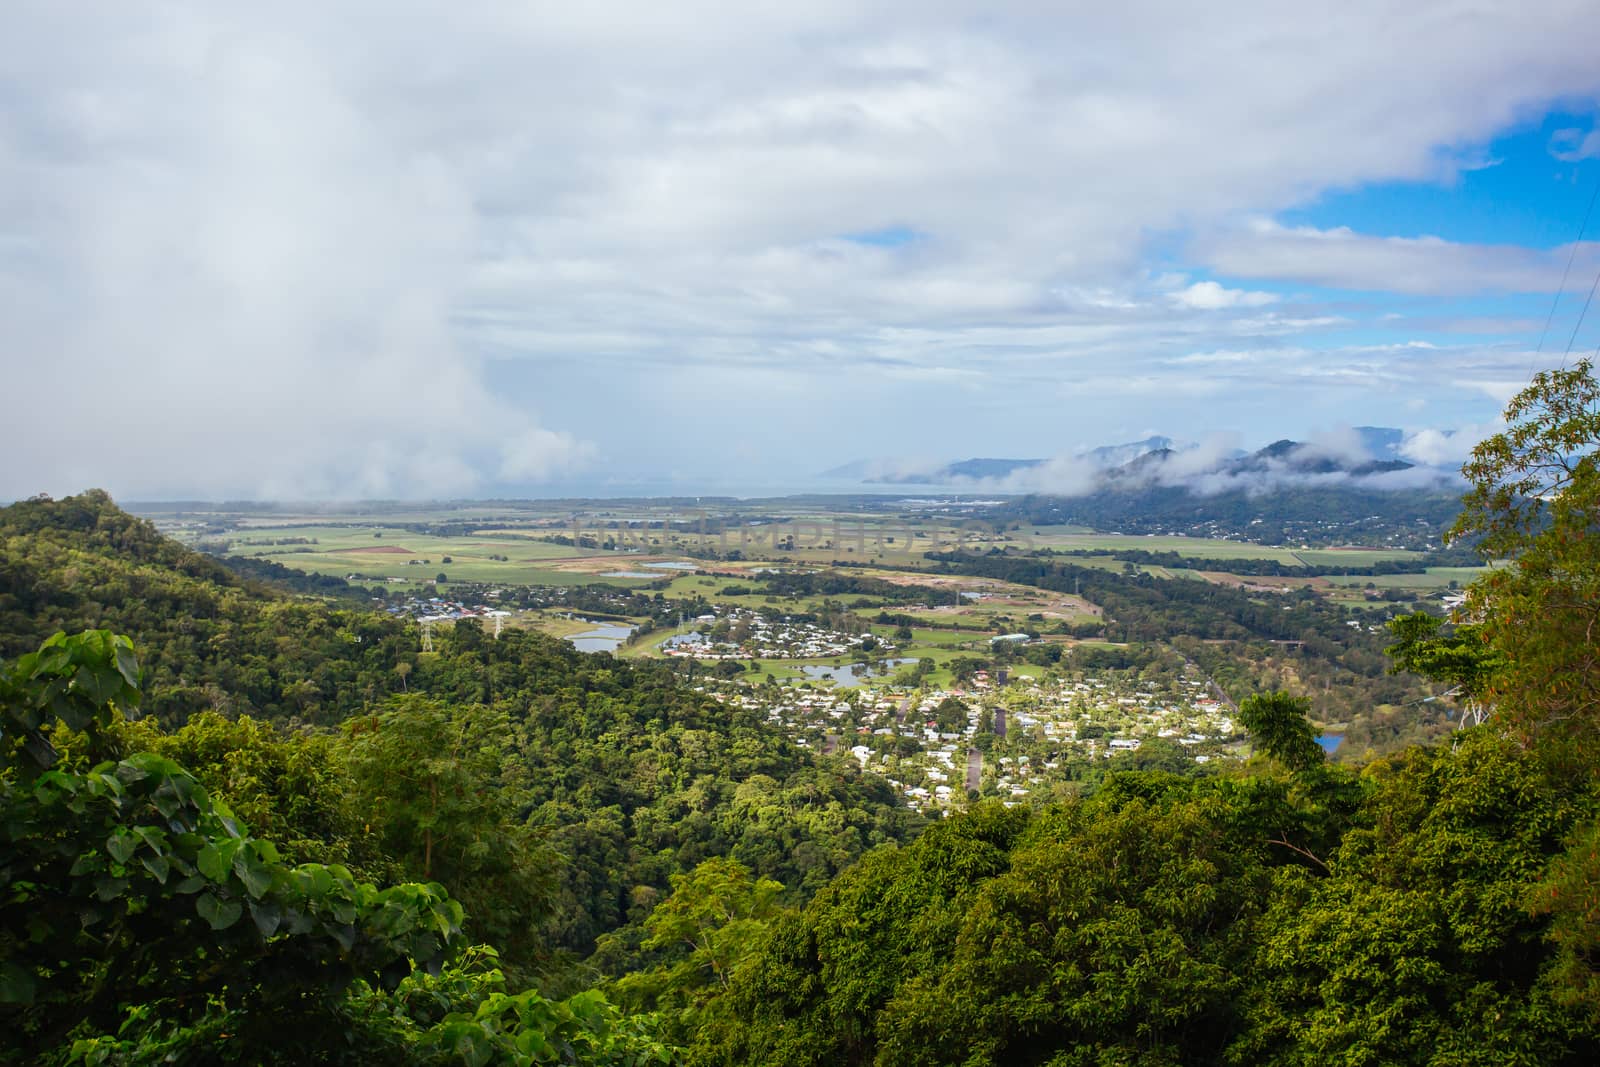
(1013, 738)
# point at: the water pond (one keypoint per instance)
(851, 674)
(605, 637)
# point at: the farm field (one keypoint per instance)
(1351, 557)
(1212, 548)
(1433, 578)
(515, 548)
(385, 552)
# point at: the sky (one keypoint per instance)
(392, 250)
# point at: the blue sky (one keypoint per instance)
(533, 248)
(1513, 190)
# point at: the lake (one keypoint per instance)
(1330, 742)
(846, 675)
(605, 637)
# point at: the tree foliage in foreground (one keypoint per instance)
(140, 921)
(1277, 723)
(1320, 917)
(1535, 502)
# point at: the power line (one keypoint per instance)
(1589, 300)
(1571, 255)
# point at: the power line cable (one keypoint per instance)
(1571, 255)
(1579, 325)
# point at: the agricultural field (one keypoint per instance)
(1351, 557)
(660, 545)
(1433, 579)
(1204, 547)
(383, 553)
(1207, 548)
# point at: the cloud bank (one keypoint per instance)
(375, 249)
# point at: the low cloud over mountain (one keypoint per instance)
(1373, 457)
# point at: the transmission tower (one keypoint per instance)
(427, 635)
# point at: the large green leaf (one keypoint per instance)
(266, 915)
(158, 867)
(121, 845)
(215, 858)
(255, 875)
(221, 914)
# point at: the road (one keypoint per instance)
(974, 768)
(1216, 690)
(999, 722)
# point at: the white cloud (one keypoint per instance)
(1572, 145)
(1343, 259)
(1445, 448)
(289, 248)
(1210, 296)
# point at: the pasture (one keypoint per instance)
(378, 553)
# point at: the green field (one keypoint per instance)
(1351, 557)
(1213, 548)
(1434, 578)
(382, 552)
(1203, 547)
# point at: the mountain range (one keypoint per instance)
(1374, 450)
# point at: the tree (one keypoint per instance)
(1277, 723)
(129, 898)
(1463, 660)
(701, 934)
(83, 682)
(287, 785)
(1417, 944)
(1535, 504)
(950, 715)
(431, 781)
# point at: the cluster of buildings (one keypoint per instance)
(740, 633)
(438, 609)
(1038, 728)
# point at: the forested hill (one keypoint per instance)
(207, 637)
(632, 775)
(1335, 514)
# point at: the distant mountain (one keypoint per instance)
(1298, 458)
(883, 472)
(987, 468)
(1140, 469)
(1374, 450)
(1284, 457)
(1117, 455)
(891, 472)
